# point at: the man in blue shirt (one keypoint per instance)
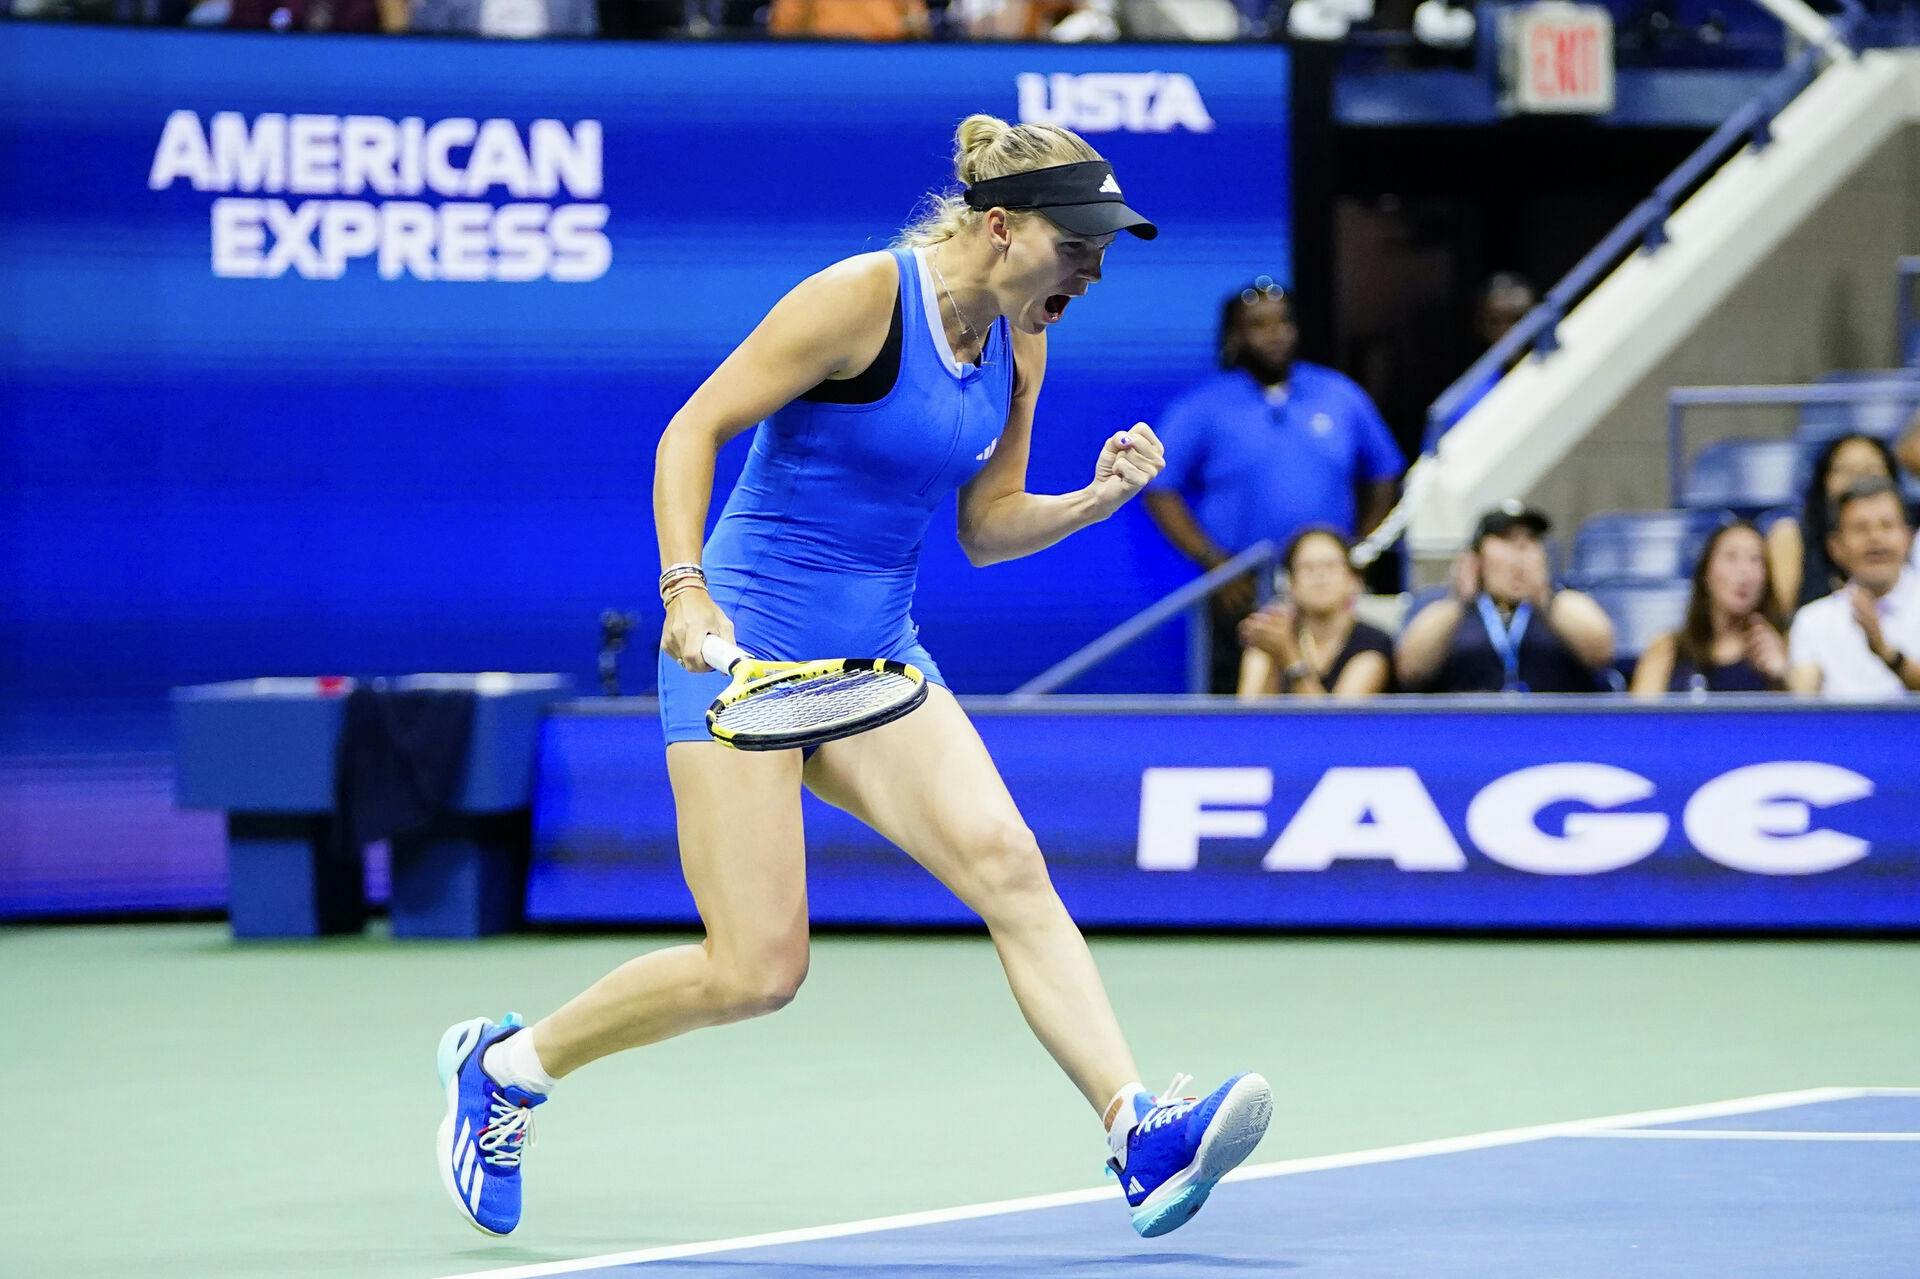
(1263, 449)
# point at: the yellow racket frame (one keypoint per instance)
(752, 676)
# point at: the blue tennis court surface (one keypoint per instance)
(1824, 1182)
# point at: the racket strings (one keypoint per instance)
(818, 701)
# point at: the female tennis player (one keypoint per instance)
(879, 385)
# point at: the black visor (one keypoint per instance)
(1082, 198)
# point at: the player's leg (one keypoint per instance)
(926, 783)
(741, 850)
(744, 858)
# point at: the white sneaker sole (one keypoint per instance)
(1236, 1129)
(459, 1041)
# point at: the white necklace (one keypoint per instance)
(973, 339)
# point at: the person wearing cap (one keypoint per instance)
(1269, 446)
(1505, 628)
(881, 386)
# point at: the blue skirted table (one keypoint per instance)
(268, 753)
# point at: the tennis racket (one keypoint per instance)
(776, 706)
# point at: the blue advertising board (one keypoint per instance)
(346, 355)
(1579, 814)
(351, 355)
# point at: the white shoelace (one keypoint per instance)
(1169, 1105)
(507, 1134)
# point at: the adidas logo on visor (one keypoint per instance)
(1110, 187)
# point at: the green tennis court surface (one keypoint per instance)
(185, 1106)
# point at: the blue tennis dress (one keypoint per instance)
(818, 549)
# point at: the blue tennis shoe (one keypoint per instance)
(1181, 1146)
(487, 1128)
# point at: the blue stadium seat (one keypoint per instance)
(1822, 423)
(1640, 546)
(1642, 612)
(1883, 418)
(1747, 476)
(1701, 525)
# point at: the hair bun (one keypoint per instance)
(976, 136)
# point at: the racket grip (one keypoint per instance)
(719, 653)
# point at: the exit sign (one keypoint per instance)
(1557, 57)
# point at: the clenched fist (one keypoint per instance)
(1128, 461)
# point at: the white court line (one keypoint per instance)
(1281, 1168)
(1739, 1134)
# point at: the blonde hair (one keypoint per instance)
(986, 146)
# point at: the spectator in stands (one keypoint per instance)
(1733, 640)
(707, 17)
(849, 19)
(1862, 640)
(318, 15)
(508, 19)
(1181, 19)
(652, 19)
(1066, 20)
(1505, 300)
(995, 19)
(1313, 645)
(1505, 628)
(1267, 447)
(1908, 449)
(1798, 549)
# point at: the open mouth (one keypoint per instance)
(1056, 306)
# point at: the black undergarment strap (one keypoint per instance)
(871, 384)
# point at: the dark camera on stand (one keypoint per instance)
(614, 626)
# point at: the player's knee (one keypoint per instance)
(763, 984)
(1009, 874)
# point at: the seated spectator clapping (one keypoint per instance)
(1797, 545)
(1505, 628)
(1861, 640)
(1732, 641)
(1313, 645)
